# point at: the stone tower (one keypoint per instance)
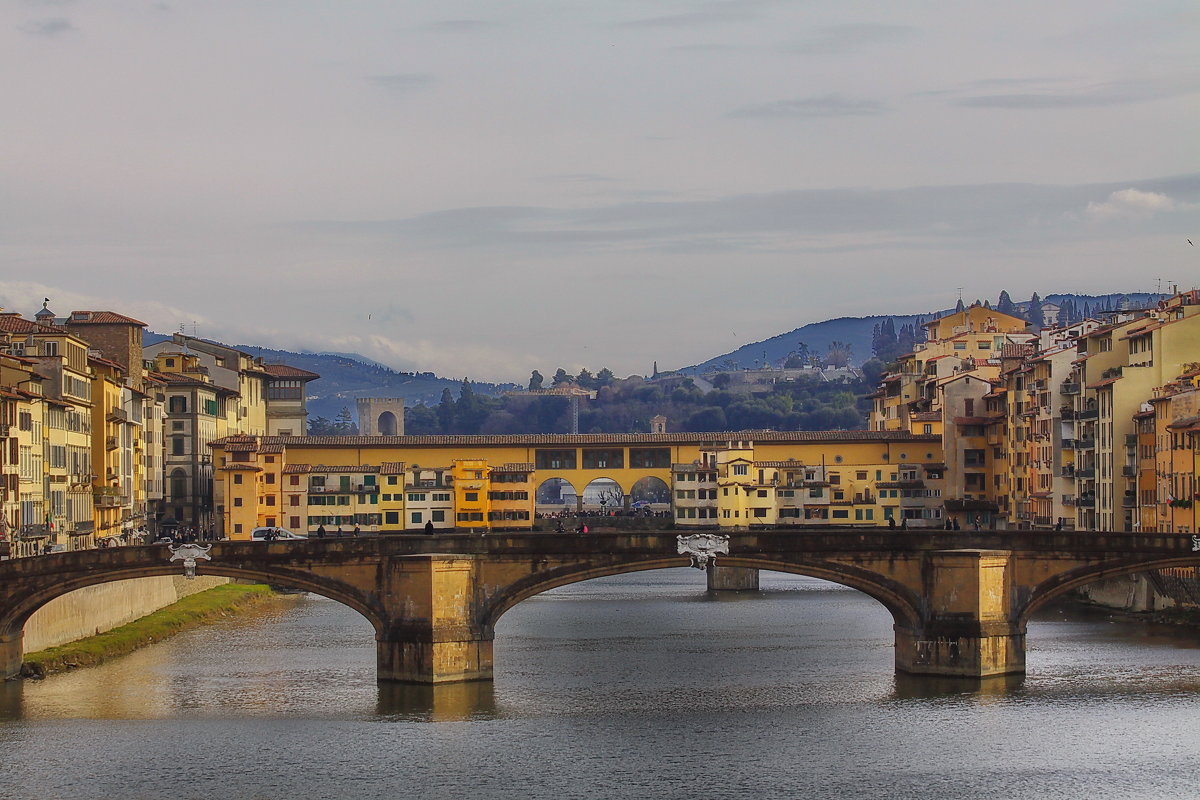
(381, 416)
(658, 424)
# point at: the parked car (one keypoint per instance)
(275, 535)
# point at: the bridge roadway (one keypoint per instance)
(960, 599)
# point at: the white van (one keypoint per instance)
(275, 535)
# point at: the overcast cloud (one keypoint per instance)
(481, 189)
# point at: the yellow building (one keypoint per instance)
(970, 340)
(495, 482)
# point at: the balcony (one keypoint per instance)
(1068, 444)
(1067, 472)
(111, 443)
(1086, 474)
(1086, 502)
(1131, 440)
(1085, 444)
(1129, 471)
(1087, 413)
(5, 431)
(1129, 501)
(1069, 388)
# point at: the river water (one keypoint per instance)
(637, 686)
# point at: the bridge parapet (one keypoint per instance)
(959, 599)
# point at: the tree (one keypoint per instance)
(872, 370)
(1036, 318)
(585, 379)
(343, 424)
(839, 354)
(320, 426)
(445, 411)
(1005, 304)
(604, 378)
(535, 381)
(561, 377)
(721, 381)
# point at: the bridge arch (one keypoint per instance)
(557, 493)
(603, 494)
(903, 604)
(650, 489)
(1055, 587)
(18, 613)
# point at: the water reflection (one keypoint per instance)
(928, 687)
(447, 702)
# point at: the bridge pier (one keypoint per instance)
(968, 628)
(732, 579)
(11, 654)
(432, 635)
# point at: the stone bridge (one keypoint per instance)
(960, 600)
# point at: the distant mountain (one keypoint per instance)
(857, 331)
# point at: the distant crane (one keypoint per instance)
(569, 391)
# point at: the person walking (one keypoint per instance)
(904, 524)
(978, 522)
(891, 522)
(355, 533)
(429, 527)
(320, 531)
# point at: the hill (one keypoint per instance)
(858, 331)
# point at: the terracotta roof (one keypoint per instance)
(102, 318)
(241, 467)
(15, 323)
(98, 360)
(391, 467)
(972, 420)
(927, 416)
(285, 371)
(581, 439)
(1105, 382)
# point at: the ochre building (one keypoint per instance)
(703, 480)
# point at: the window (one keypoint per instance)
(841, 513)
(294, 500)
(294, 480)
(739, 469)
(270, 499)
(177, 404)
(603, 459)
(269, 477)
(927, 428)
(416, 497)
(416, 517)
(555, 459)
(391, 480)
(437, 516)
(177, 445)
(237, 477)
(471, 497)
(237, 502)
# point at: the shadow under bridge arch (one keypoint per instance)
(38, 593)
(903, 604)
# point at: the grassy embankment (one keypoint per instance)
(203, 608)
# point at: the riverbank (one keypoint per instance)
(204, 608)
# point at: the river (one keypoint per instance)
(637, 686)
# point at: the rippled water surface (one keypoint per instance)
(634, 686)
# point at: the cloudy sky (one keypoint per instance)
(484, 188)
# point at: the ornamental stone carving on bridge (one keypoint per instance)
(1196, 544)
(188, 553)
(702, 548)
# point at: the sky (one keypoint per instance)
(480, 189)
